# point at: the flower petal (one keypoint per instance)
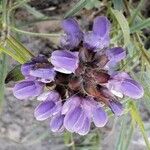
(116, 54)
(96, 42)
(122, 83)
(101, 26)
(99, 117)
(73, 34)
(116, 107)
(43, 96)
(132, 89)
(70, 26)
(26, 89)
(80, 122)
(65, 61)
(70, 104)
(44, 110)
(71, 118)
(85, 127)
(25, 68)
(99, 37)
(45, 73)
(56, 123)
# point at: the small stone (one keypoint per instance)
(14, 132)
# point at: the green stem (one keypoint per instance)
(2, 78)
(35, 33)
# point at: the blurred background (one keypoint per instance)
(36, 24)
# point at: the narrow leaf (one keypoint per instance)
(140, 25)
(123, 24)
(3, 71)
(14, 75)
(137, 117)
(118, 4)
(81, 4)
(136, 11)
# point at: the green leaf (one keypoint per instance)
(92, 3)
(14, 75)
(3, 71)
(137, 118)
(20, 48)
(136, 11)
(140, 25)
(121, 136)
(34, 12)
(123, 24)
(128, 137)
(118, 4)
(68, 140)
(81, 4)
(13, 55)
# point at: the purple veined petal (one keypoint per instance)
(25, 68)
(56, 123)
(27, 88)
(53, 96)
(122, 83)
(116, 107)
(95, 42)
(44, 110)
(99, 37)
(121, 76)
(71, 41)
(44, 73)
(58, 108)
(70, 104)
(116, 54)
(85, 127)
(43, 96)
(88, 104)
(80, 122)
(70, 26)
(73, 35)
(132, 89)
(101, 26)
(65, 61)
(49, 95)
(99, 117)
(71, 118)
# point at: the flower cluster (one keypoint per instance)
(78, 81)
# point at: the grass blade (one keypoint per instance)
(81, 4)
(3, 71)
(136, 117)
(135, 13)
(123, 24)
(118, 4)
(14, 75)
(140, 25)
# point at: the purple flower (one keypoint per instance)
(116, 107)
(115, 55)
(73, 35)
(39, 68)
(122, 83)
(98, 38)
(50, 106)
(65, 61)
(79, 112)
(27, 88)
(79, 80)
(56, 123)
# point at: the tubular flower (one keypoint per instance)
(80, 80)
